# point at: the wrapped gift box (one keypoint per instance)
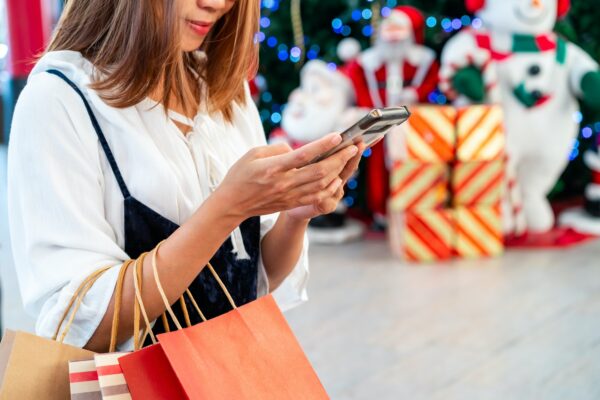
(478, 231)
(479, 133)
(477, 183)
(429, 135)
(422, 236)
(416, 185)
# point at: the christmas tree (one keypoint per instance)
(293, 31)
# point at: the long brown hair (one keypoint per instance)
(135, 45)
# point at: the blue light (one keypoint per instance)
(294, 59)
(295, 52)
(315, 48)
(456, 24)
(385, 12)
(264, 115)
(392, 3)
(282, 55)
(446, 23)
(282, 47)
(348, 201)
(272, 41)
(466, 20)
(267, 97)
(259, 37)
(346, 30)
(431, 22)
(311, 54)
(366, 13)
(332, 66)
(441, 99)
(352, 184)
(574, 154)
(276, 118)
(597, 126)
(268, 3)
(356, 14)
(578, 117)
(336, 23)
(367, 153)
(477, 23)
(432, 97)
(367, 30)
(587, 132)
(265, 22)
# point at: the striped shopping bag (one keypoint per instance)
(110, 377)
(83, 380)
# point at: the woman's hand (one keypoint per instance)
(328, 204)
(276, 178)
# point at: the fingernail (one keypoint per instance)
(337, 139)
(353, 150)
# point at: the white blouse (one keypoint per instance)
(65, 207)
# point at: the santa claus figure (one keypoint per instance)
(319, 106)
(397, 70)
(538, 78)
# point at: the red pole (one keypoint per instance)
(29, 26)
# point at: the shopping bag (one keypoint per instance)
(83, 380)
(247, 353)
(110, 377)
(32, 367)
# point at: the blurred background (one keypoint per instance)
(464, 260)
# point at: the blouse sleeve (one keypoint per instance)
(58, 229)
(292, 292)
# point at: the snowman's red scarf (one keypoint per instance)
(521, 44)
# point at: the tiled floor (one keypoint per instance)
(524, 326)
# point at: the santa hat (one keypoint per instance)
(334, 77)
(563, 6)
(416, 19)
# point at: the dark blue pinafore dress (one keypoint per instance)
(145, 228)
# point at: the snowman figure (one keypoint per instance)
(320, 106)
(538, 78)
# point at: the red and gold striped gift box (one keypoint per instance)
(416, 185)
(479, 133)
(430, 134)
(477, 183)
(422, 236)
(478, 231)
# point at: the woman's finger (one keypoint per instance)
(352, 165)
(325, 170)
(304, 155)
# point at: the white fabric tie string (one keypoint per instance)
(216, 173)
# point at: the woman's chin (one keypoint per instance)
(191, 45)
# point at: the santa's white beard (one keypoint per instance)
(393, 51)
(308, 120)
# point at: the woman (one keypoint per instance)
(126, 135)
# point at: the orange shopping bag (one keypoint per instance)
(248, 353)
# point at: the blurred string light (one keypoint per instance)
(357, 22)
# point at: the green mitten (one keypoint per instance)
(590, 85)
(469, 81)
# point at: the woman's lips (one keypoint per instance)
(201, 28)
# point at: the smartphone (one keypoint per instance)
(369, 129)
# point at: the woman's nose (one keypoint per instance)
(212, 5)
